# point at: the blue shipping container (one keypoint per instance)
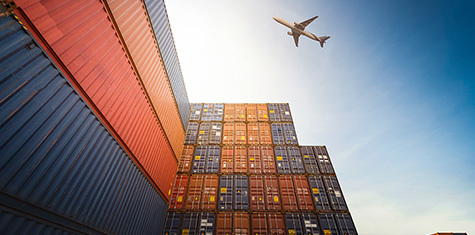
(50, 142)
(191, 133)
(274, 114)
(345, 224)
(335, 195)
(191, 223)
(172, 224)
(328, 224)
(282, 160)
(289, 133)
(323, 160)
(284, 111)
(226, 186)
(310, 224)
(293, 224)
(318, 192)
(309, 160)
(241, 192)
(195, 114)
(277, 134)
(295, 160)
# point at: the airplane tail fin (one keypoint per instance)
(323, 39)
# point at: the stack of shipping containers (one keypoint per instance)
(93, 111)
(242, 171)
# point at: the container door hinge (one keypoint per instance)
(9, 5)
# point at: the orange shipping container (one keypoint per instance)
(256, 193)
(137, 33)
(251, 112)
(262, 114)
(193, 196)
(264, 133)
(268, 223)
(234, 159)
(240, 113)
(241, 224)
(224, 223)
(83, 37)
(252, 133)
(272, 193)
(202, 191)
(234, 133)
(178, 193)
(261, 160)
(302, 190)
(186, 159)
(210, 192)
(287, 191)
(229, 111)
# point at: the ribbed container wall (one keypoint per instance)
(82, 36)
(61, 170)
(264, 177)
(134, 26)
(161, 27)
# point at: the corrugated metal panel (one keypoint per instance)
(210, 192)
(294, 225)
(277, 133)
(161, 27)
(302, 191)
(309, 160)
(186, 159)
(210, 133)
(240, 133)
(212, 112)
(289, 133)
(287, 192)
(191, 223)
(49, 143)
(177, 199)
(203, 133)
(241, 224)
(252, 133)
(240, 113)
(12, 223)
(229, 112)
(264, 133)
(234, 159)
(131, 18)
(274, 114)
(241, 192)
(295, 160)
(272, 192)
(318, 192)
(206, 159)
(207, 223)
(310, 223)
(328, 224)
(226, 187)
(262, 113)
(191, 133)
(282, 160)
(224, 223)
(284, 111)
(323, 160)
(256, 193)
(335, 195)
(172, 224)
(276, 224)
(251, 110)
(259, 223)
(202, 191)
(345, 224)
(84, 39)
(195, 114)
(193, 195)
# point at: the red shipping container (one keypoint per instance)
(264, 133)
(276, 224)
(227, 160)
(240, 159)
(256, 193)
(233, 159)
(137, 33)
(224, 223)
(210, 192)
(240, 133)
(193, 196)
(228, 133)
(229, 111)
(259, 224)
(287, 191)
(304, 198)
(261, 160)
(241, 224)
(84, 39)
(262, 114)
(240, 113)
(177, 198)
(186, 159)
(252, 133)
(251, 112)
(272, 193)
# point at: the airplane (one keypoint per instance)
(298, 29)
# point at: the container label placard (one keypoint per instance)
(279, 158)
(272, 111)
(327, 232)
(180, 199)
(276, 199)
(197, 157)
(223, 190)
(291, 232)
(185, 231)
(305, 156)
(315, 190)
(211, 198)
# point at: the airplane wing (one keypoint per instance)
(307, 22)
(296, 38)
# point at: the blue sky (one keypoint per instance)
(392, 95)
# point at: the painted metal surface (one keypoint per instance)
(206, 159)
(191, 133)
(163, 34)
(210, 133)
(229, 112)
(294, 224)
(335, 195)
(136, 31)
(195, 113)
(328, 224)
(233, 159)
(323, 160)
(172, 224)
(253, 133)
(289, 133)
(251, 110)
(212, 112)
(186, 159)
(287, 192)
(272, 193)
(224, 223)
(193, 195)
(309, 160)
(284, 111)
(345, 223)
(50, 140)
(259, 223)
(13, 223)
(226, 192)
(257, 193)
(318, 192)
(302, 191)
(274, 113)
(177, 199)
(207, 223)
(241, 192)
(264, 134)
(261, 160)
(277, 134)
(310, 223)
(276, 224)
(202, 192)
(282, 160)
(262, 113)
(83, 37)
(241, 224)
(295, 160)
(191, 223)
(234, 133)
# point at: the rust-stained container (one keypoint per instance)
(241, 224)
(177, 198)
(224, 223)
(84, 39)
(136, 31)
(251, 110)
(272, 193)
(287, 192)
(261, 160)
(252, 133)
(302, 191)
(262, 114)
(257, 193)
(202, 192)
(264, 134)
(186, 159)
(323, 160)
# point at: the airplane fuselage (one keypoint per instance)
(295, 29)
